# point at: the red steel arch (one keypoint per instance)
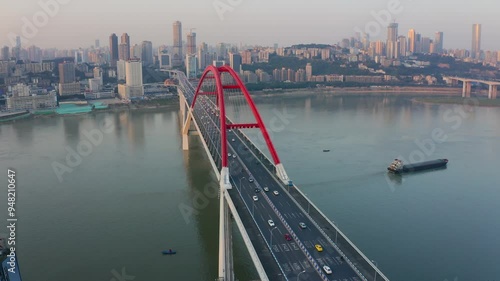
(217, 72)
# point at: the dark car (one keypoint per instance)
(257, 190)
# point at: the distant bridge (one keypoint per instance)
(467, 86)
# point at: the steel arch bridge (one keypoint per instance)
(212, 109)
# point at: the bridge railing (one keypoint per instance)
(351, 254)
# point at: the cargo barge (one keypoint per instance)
(398, 167)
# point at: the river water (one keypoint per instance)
(100, 196)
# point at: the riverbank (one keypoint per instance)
(363, 91)
(474, 101)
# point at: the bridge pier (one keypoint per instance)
(186, 117)
(226, 271)
(492, 93)
(467, 89)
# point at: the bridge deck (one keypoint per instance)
(289, 258)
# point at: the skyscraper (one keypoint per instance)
(392, 50)
(203, 56)
(124, 48)
(309, 71)
(426, 45)
(412, 41)
(177, 51)
(403, 45)
(5, 53)
(67, 78)
(113, 49)
(476, 41)
(191, 43)
(147, 53)
(133, 88)
(66, 72)
(438, 42)
(235, 61)
(97, 44)
(191, 66)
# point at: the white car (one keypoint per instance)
(233, 140)
(276, 193)
(271, 223)
(229, 154)
(234, 155)
(327, 269)
(266, 189)
(250, 180)
(255, 198)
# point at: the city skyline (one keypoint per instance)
(245, 23)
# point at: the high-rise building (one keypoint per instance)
(136, 52)
(67, 78)
(191, 44)
(403, 45)
(418, 43)
(177, 51)
(97, 44)
(392, 50)
(120, 70)
(235, 61)
(309, 71)
(147, 53)
(379, 48)
(438, 42)
(191, 66)
(476, 41)
(67, 72)
(113, 49)
(222, 51)
(164, 58)
(133, 70)
(5, 53)
(203, 56)
(18, 41)
(124, 48)
(412, 43)
(133, 88)
(426, 45)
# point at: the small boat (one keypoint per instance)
(398, 167)
(326, 150)
(169, 252)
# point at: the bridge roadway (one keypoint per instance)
(288, 255)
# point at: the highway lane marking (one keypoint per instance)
(305, 264)
(276, 249)
(295, 247)
(285, 246)
(308, 244)
(296, 266)
(285, 266)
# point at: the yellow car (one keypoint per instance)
(318, 247)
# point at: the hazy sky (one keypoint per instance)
(79, 22)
